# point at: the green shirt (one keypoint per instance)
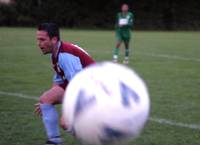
(125, 20)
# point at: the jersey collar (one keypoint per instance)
(55, 56)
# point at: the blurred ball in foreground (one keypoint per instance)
(106, 104)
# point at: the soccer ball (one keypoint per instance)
(106, 103)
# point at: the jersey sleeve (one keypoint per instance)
(70, 64)
(130, 21)
(117, 20)
(57, 79)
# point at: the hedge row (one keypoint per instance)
(149, 14)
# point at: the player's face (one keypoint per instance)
(44, 42)
(124, 8)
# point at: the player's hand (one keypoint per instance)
(66, 127)
(121, 25)
(38, 109)
(62, 123)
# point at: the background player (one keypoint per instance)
(123, 24)
(67, 59)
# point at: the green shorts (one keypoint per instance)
(122, 35)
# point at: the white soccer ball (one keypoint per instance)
(106, 103)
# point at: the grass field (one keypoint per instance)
(169, 62)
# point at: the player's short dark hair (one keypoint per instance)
(51, 28)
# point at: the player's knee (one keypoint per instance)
(44, 99)
(52, 96)
(118, 44)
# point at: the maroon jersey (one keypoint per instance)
(67, 56)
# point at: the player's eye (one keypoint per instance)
(41, 39)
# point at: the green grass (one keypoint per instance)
(169, 62)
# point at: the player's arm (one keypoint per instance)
(131, 19)
(70, 64)
(117, 21)
(57, 80)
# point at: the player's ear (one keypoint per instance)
(54, 40)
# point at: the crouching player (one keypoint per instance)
(67, 60)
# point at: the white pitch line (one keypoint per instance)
(175, 57)
(171, 57)
(154, 119)
(173, 123)
(19, 95)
